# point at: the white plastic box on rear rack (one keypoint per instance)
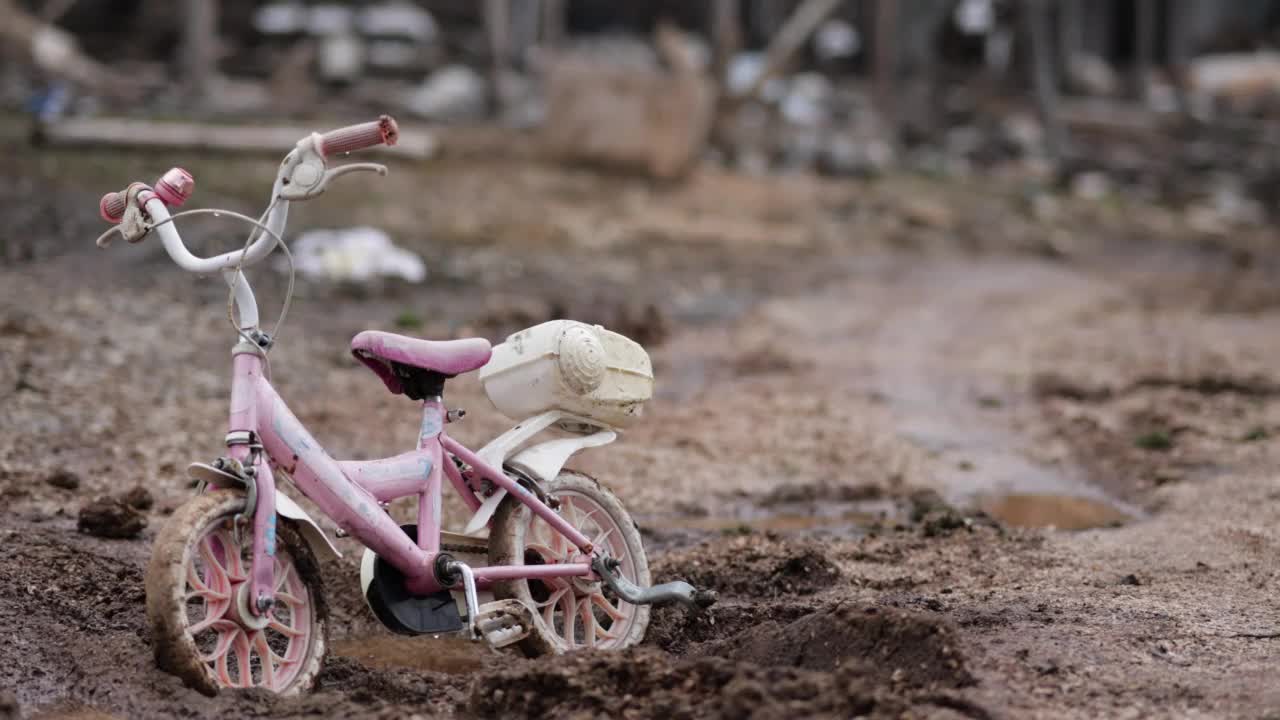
(566, 365)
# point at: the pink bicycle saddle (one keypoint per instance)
(447, 357)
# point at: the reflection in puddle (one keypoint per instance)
(443, 654)
(1064, 512)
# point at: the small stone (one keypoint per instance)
(138, 498)
(9, 709)
(110, 517)
(64, 479)
(1130, 579)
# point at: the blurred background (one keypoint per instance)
(962, 309)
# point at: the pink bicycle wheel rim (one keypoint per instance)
(236, 655)
(580, 614)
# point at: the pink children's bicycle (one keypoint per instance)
(550, 561)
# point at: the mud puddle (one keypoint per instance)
(444, 654)
(842, 520)
(1064, 512)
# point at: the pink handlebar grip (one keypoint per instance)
(112, 206)
(173, 188)
(382, 131)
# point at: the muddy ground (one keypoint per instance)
(945, 449)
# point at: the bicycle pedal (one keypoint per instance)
(503, 622)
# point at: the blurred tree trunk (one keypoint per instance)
(56, 52)
(885, 67)
(1035, 15)
(198, 58)
(1144, 48)
(790, 39)
(497, 21)
(726, 35)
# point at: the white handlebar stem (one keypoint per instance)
(172, 241)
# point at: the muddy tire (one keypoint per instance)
(197, 564)
(571, 614)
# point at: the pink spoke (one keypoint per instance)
(549, 611)
(282, 574)
(588, 622)
(555, 596)
(603, 603)
(547, 553)
(235, 565)
(604, 635)
(568, 613)
(194, 580)
(602, 536)
(218, 574)
(557, 540)
(206, 595)
(289, 598)
(283, 629)
(242, 651)
(226, 633)
(210, 619)
(265, 657)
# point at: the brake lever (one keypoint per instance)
(306, 191)
(134, 225)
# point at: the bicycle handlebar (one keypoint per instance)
(175, 186)
(383, 131)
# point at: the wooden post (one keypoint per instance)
(1044, 77)
(1144, 47)
(726, 35)
(497, 20)
(553, 22)
(885, 67)
(790, 39)
(198, 56)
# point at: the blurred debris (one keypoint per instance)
(64, 479)
(354, 255)
(1241, 79)
(139, 498)
(56, 52)
(652, 121)
(1089, 74)
(413, 144)
(454, 92)
(111, 517)
(790, 38)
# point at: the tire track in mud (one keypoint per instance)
(953, 358)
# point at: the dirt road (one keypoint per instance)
(936, 465)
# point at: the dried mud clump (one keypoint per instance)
(885, 645)
(110, 517)
(649, 683)
(754, 566)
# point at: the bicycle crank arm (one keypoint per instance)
(677, 591)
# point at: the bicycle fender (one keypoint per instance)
(542, 462)
(316, 538)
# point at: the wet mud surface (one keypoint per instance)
(932, 469)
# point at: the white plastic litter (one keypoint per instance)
(398, 19)
(452, 92)
(357, 255)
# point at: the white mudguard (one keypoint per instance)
(321, 545)
(542, 462)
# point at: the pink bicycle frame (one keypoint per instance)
(353, 493)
